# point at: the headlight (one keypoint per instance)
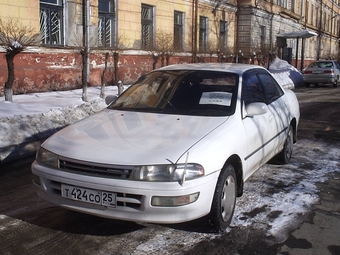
(47, 158)
(167, 173)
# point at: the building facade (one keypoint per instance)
(126, 38)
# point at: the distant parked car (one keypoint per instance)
(322, 72)
(175, 146)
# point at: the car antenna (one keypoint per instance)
(185, 169)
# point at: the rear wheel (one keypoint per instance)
(307, 84)
(336, 83)
(286, 154)
(224, 200)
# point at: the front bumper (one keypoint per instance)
(133, 197)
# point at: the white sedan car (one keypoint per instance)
(174, 147)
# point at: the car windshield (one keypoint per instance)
(202, 93)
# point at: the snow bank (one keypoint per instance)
(22, 135)
(286, 74)
(34, 117)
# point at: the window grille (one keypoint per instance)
(51, 22)
(147, 26)
(223, 35)
(203, 34)
(106, 23)
(178, 31)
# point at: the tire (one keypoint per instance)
(336, 83)
(224, 200)
(286, 154)
(307, 84)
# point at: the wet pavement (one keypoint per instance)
(262, 224)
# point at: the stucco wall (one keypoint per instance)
(48, 71)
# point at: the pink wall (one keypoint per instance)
(40, 72)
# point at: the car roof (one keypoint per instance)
(221, 67)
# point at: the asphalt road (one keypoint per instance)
(29, 225)
(320, 120)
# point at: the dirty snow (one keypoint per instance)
(34, 117)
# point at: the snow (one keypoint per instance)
(32, 118)
(286, 74)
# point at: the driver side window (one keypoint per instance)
(252, 90)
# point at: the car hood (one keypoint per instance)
(130, 138)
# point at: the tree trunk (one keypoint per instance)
(84, 75)
(115, 64)
(167, 57)
(102, 90)
(162, 59)
(10, 79)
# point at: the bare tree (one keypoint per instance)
(103, 80)
(118, 47)
(15, 37)
(164, 46)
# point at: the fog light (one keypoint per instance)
(174, 201)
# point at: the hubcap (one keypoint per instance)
(228, 198)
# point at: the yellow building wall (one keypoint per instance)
(27, 11)
(214, 25)
(129, 20)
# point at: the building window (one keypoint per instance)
(178, 31)
(263, 37)
(223, 35)
(313, 20)
(51, 22)
(203, 34)
(106, 23)
(292, 7)
(147, 26)
(283, 3)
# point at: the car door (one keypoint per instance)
(337, 70)
(263, 131)
(278, 114)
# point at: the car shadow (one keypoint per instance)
(201, 225)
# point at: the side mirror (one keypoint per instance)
(256, 109)
(109, 99)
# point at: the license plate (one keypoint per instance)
(88, 195)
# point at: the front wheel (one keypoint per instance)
(286, 154)
(224, 200)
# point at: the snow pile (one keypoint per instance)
(286, 74)
(32, 118)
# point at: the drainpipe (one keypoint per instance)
(318, 53)
(194, 30)
(86, 51)
(87, 42)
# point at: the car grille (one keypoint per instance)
(99, 170)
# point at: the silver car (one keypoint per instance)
(176, 146)
(322, 72)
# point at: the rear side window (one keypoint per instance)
(252, 90)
